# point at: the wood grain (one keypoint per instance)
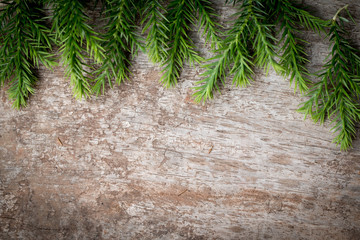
(136, 162)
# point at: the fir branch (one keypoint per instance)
(336, 96)
(293, 56)
(234, 2)
(155, 22)
(24, 45)
(120, 40)
(181, 47)
(234, 50)
(207, 17)
(264, 41)
(78, 41)
(307, 20)
(250, 26)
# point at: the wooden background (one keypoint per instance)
(136, 163)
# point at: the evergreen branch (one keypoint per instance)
(76, 37)
(21, 86)
(24, 45)
(251, 23)
(297, 14)
(207, 22)
(214, 71)
(309, 21)
(120, 40)
(264, 40)
(336, 96)
(235, 51)
(181, 47)
(234, 2)
(294, 57)
(156, 41)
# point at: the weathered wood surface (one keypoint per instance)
(136, 163)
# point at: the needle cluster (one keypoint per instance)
(181, 16)
(264, 34)
(181, 48)
(293, 59)
(78, 42)
(250, 38)
(155, 23)
(120, 40)
(252, 42)
(336, 95)
(25, 43)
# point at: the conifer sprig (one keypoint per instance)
(234, 50)
(120, 41)
(251, 26)
(264, 42)
(181, 47)
(78, 41)
(336, 95)
(293, 56)
(155, 22)
(305, 18)
(207, 22)
(25, 43)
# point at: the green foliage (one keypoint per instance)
(25, 43)
(336, 95)
(255, 23)
(265, 34)
(251, 26)
(119, 41)
(234, 50)
(291, 18)
(156, 25)
(207, 22)
(181, 48)
(78, 41)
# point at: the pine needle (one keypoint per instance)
(234, 50)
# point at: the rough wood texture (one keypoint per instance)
(142, 162)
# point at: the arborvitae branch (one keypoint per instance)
(155, 22)
(120, 40)
(24, 44)
(78, 41)
(336, 96)
(207, 17)
(181, 47)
